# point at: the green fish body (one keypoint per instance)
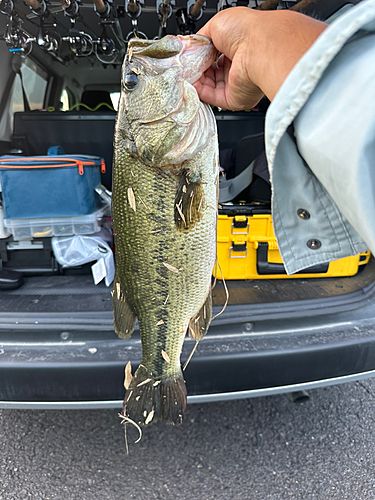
(164, 216)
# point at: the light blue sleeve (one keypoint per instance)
(335, 133)
(327, 169)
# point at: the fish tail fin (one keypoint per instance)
(149, 399)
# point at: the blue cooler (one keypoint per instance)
(50, 186)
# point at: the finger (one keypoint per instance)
(209, 77)
(206, 30)
(212, 76)
(220, 29)
(204, 82)
(219, 70)
(220, 61)
(212, 86)
(211, 91)
(213, 96)
(210, 82)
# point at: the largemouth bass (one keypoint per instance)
(164, 215)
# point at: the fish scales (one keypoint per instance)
(145, 278)
(163, 261)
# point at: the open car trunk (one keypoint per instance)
(49, 289)
(76, 293)
(58, 347)
(71, 293)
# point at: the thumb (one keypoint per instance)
(206, 29)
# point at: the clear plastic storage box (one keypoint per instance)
(25, 229)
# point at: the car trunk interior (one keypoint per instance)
(49, 288)
(77, 293)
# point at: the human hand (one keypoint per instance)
(259, 49)
(228, 84)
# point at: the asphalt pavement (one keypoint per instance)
(268, 448)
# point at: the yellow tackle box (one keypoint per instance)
(247, 249)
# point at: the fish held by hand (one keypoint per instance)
(165, 183)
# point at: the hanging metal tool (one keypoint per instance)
(16, 38)
(222, 4)
(81, 43)
(225, 4)
(105, 46)
(103, 8)
(110, 46)
(105, 43)
(71, 9)
(186, 18)
(185, 25)
(164, 8)
(47, 38)
(268, 5)
(47, 8)
(133, 9)
(38, 7)
(195, 9)
(6, 7)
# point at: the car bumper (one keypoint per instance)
(79, 363)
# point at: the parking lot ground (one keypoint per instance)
(268, 448)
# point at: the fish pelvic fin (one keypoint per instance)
(150, 399)
(189, 203)
(124, 317)
(198, 325)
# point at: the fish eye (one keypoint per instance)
(130, 80)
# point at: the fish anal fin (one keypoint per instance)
(124, 317)
(189, 203)
(198, 325)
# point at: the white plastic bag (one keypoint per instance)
(71, 251)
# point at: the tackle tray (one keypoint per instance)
(247, 249)
(25, 229)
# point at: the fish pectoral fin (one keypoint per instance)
(189, 203)
(124, 317)
(198, 325)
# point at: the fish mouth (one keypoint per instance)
(197, 55)
(194, 54)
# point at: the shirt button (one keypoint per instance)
(314, 244)
(303, 214)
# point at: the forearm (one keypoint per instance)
(280, 39)
(326, 167)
